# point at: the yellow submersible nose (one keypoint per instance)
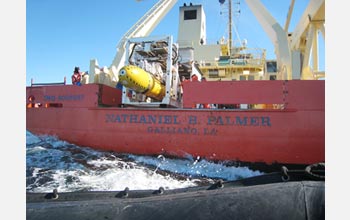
(140, 81)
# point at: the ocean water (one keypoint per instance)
(55, 164)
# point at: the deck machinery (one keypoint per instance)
(150, 75)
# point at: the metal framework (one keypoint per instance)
(142, 28)
(293, 50)
(171, 82)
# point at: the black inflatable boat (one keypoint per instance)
(289, 194)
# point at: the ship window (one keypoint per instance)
(190, 15)
(241, 78)
(245, 77)
(213, 73)
(271, 66)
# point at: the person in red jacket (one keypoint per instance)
(194, 78)
(76, 77)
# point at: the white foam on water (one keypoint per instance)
(55, 164)
(134, 179)
(113, 178)
(198, 167)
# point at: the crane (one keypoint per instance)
(142, 28)
(293, 50)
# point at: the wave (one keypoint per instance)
(55, 164)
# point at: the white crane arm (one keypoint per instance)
(143, 27)
(315, 11)
(277, 35)
(289, 15)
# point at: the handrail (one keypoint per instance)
(47, 84)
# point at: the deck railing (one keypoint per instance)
(48, 84)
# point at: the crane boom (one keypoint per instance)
(143, 27)
(289, 15)
(293, 50)
(276, 34)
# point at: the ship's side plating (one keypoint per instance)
(288, 127)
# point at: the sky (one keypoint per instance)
(67, 33)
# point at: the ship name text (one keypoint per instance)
(53, 98)
(189, 124)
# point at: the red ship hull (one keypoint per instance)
(90, 115)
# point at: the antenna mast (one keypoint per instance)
(229, 25)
